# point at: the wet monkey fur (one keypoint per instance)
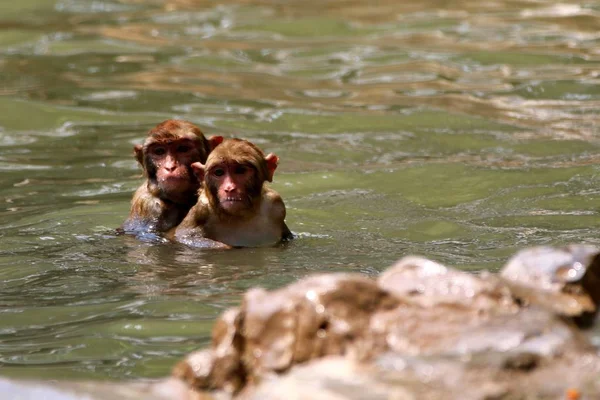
(235, 207)
(170, 188)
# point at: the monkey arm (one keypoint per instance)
(145, 210)
(191, 230)
(151, 214)
(202, 242)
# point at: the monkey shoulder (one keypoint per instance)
(140, 195)
(276, 213)
(273, 205)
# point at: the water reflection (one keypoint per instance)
(461, 131)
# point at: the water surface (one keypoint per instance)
(462, 131)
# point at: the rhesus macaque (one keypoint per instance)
(234, 205)
(171, 188)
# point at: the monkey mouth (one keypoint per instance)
(233, 205)
(174, 177)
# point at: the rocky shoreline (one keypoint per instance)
(420, 330)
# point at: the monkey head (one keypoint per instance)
(233, 176)
(166, 155)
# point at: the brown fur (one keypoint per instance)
(260, 222)
(157, 206)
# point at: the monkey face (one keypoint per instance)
(170, 162)
(234, 186)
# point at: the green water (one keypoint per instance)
(462, 131)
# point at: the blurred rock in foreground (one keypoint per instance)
(419, 331)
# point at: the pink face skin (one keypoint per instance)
(172, 160)
(232, 181)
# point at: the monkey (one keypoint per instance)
(235, 207)
(170, 188)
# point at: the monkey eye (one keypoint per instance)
(240, 169)
(183, 148)
(219, 172)
(159, 151)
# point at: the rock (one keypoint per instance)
(393, 376)
(458, 331)
(565, 280)
(431, 284)
(329, 378)
(421, 331)
(219, 367)
(318, 316)
(272, 331)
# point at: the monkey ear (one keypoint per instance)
(139, 153)
(272, 161)
(198, 169)
(214, 141)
